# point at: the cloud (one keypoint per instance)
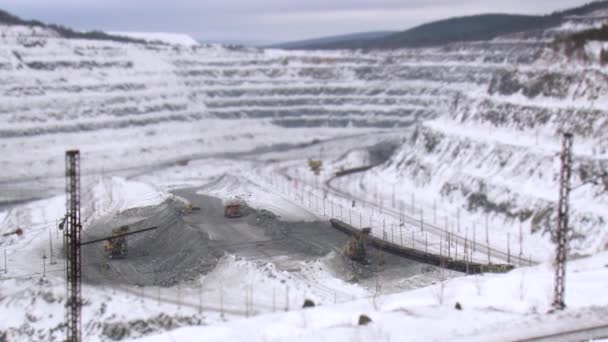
(264, 20)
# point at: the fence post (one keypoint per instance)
(200, 298)
(246, 301)
(521, 240)
(458, 218)
(324, 206)
(474, 236)
(434, 211)
(421, 219)
(309, 206)
(274, 299)
(508, 247)
(286, 298)
(401, 210)
(222, 300)
(384, 228)
(413, 240)
(413, 203)
(179, 296)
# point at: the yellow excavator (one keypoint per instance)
(116, 245)
(356, 247)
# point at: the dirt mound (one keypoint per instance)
(172, 253)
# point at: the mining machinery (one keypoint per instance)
(356, 247)
(315, 165)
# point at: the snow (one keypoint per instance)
(149, 119)
(228, 186)
(496, 307)
(163, 37)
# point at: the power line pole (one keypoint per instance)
(72, 239)
(561, 233)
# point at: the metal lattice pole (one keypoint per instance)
(72, 246)
(561, 233)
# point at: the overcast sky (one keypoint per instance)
(264, 21)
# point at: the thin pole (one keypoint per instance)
(286, 297)
(200, 298)
(51, 247)
(384, 229)
(274, 299)
(421, 219)
(521, 248)
(222, 299)
(413, 241)
(508, 247)
(323, 206)
(413, 202)
(474, 236)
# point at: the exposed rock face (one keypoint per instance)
(492, 112)
(494, 154)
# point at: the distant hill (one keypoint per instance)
(469, 28)
(9, 19)
(363, 36)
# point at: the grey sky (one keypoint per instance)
(264, 21)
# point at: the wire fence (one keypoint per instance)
(396, 224)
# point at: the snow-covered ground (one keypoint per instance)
(474, 130)
(163, 37)
(494, 308)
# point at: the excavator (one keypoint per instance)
(356, 247)
(116, 245)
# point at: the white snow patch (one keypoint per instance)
(163, 37)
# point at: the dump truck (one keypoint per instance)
(356, 247)
(234, 207)
(116, 246)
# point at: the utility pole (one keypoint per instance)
(561, 233)
(52, 262)
(72, 238)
